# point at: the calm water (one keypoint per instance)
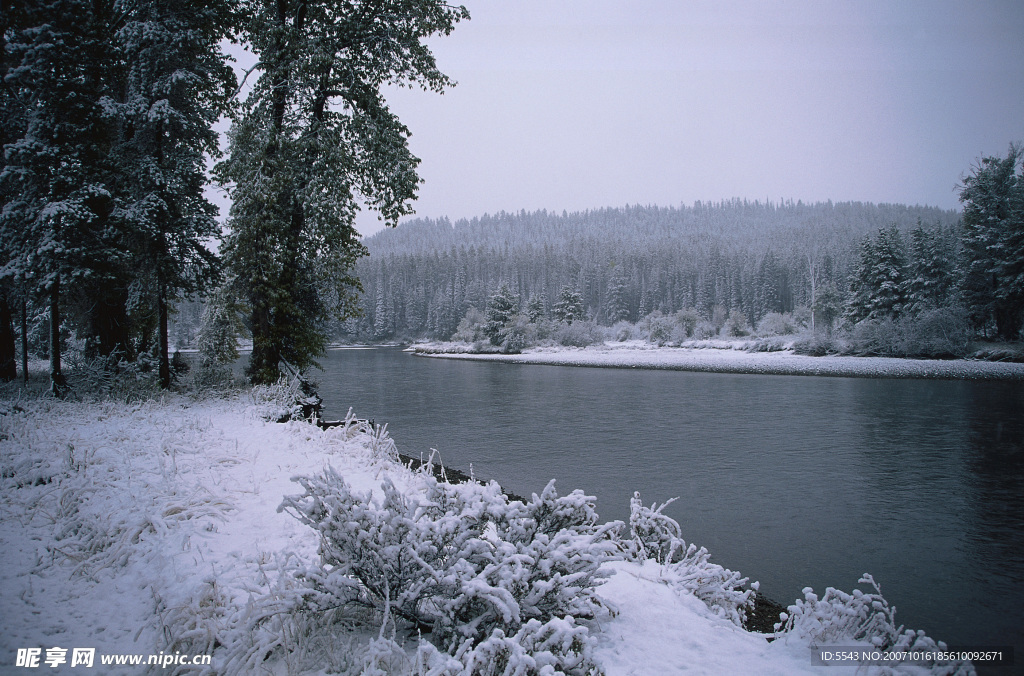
(794, 481)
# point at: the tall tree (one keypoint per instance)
(56, 227)
(502, 309)
(315, 137)
(177, 84)
(993, 243)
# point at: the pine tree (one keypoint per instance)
(55, 227)
(889, 275)
(315, 135)
(535, 307)
(569, 307)
(932, 274)
(177, 85)
(617, 299)
(858, 303)
(502, 309)
(993, 243)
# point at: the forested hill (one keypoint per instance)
(421, 277)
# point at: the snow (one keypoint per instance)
(726, 357)
(150, 528)
(658, 631)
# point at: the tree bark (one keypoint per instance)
(8, 354)
(57, 381)
(165, 364)
(24, 340)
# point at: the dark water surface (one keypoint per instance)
(794, 481)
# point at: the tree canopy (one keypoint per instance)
(316, 138)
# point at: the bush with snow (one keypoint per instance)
(839, 618)
(292, 398)
(489, 579)
(776, 324)
(654, 535)
(578, 334)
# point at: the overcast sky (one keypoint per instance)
(586, 104)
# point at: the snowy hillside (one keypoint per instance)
(166, 529)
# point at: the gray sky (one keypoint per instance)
(571, 104)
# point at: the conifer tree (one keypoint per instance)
(569, 307)
(993, 243)
(316, 136)
(177, 85)
(55, 228)
(502, 308)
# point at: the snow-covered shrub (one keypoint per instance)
(816, 345)
(578, 334)
(657, 328)
(736, 324)
(517, 335)
(766, 345)
(558, 646)
(654, 535)
(704, 330)
(112, 377)
(938, 332)
(801, 316)
(622, 331)
(687, 320)
(838, 618)
(462, 561)
(775, 324)
(292, 398)
(471, 327)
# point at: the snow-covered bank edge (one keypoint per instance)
(156, 528)
(725, 359)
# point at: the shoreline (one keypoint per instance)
(724, 360)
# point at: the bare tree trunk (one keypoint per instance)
(8, 354)
(57, 381)
(24, 339)
(811, 267)
(165, 364)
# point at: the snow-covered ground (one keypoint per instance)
(153, 529)
(729, 357)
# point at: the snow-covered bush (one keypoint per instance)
(517, 335)
(654, 535)
(462, 562)
(622, 331)
(471, 327)
(558, 646)
(817, 345)
(292, 398)
(736, 324)
(838, 618)
(687, 320)
(776, 324)
(578, 334)
(766, 345)
(657, 328)
(704, 330)
(112, 377)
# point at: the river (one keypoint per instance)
(794, 481)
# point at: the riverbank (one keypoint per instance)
(155, 529)
(723, 358)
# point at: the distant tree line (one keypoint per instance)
(734, 261)
(748, 257)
